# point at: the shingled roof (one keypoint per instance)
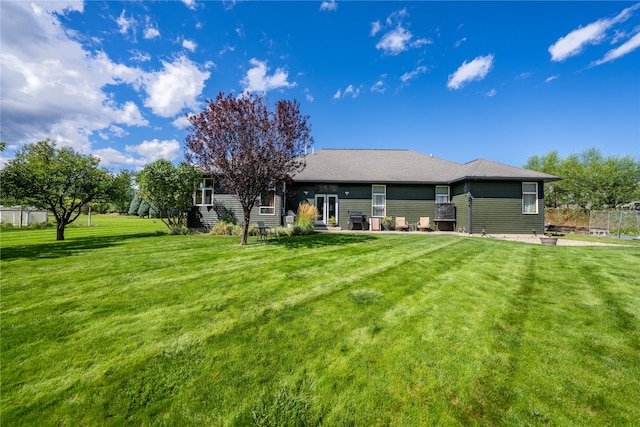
(487, 169)
(402, 166)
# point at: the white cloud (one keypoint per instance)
(257, 79)
(191, 4)
(354, 92)
(629, 46)
(395, 41)
(375, 28)
(125, 24)
(329, 6)
(112, 157)
(413, 74)
(182, 122)
(399, 38)
(470, 71)
(139, 155)
(491, 93)
(139, 56)
(151, 33)
(459, 42)
(397, 16)
(118, 131)
(189, 45)
(378, 87)
(227, 48)
(551, 78)
(175, 87)
(573, 43)
(155, 149)
(350, 90)
(52, 87)
(308, 95)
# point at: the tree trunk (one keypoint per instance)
(245, 226)
(245, 232)
(60, 231)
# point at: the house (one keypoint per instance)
(212, 204)
(479, 195)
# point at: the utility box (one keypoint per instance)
(289, 220)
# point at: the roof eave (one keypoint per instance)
(505, 178)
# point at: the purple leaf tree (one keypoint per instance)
(248, 147)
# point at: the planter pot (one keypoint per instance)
(549, 241)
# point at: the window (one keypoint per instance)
(529, 197)
(442, 194)
(378, 200)
(204, 193)
(268, 202)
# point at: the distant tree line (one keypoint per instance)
(589, 179)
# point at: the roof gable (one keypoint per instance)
(487, 169)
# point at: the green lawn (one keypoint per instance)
(123, 324)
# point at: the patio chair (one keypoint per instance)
(424, 223)
(401, 223)
(264, 232)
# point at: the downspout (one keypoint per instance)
(470, 209)
(283, 213)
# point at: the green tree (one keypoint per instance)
(555, 193)
(57, 179)
(589, 179)
(135, 204)
(143, 209)
(122, 191)
(169, 190)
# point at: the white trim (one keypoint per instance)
(326, 207)
(268, 209)
(448, 193)
(202, 190)
(373, 205)
(529, 193)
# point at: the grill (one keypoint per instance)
(357, 221)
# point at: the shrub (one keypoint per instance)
(283, 231)
(305, 220)
(178, 230)
(35, 226)
(223, 228)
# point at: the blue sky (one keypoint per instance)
(459, 80)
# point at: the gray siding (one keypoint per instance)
(208, 216)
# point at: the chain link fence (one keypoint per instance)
(623, 224)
